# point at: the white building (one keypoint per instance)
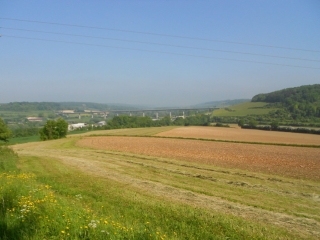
(76, 126)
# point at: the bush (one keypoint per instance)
(54, 130)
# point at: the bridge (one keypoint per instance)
(135, 111)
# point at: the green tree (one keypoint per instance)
(253, 123)
(179, 121)
(62, 127)
(241, 123)
(274, 125)
(166, 121)
(54, 129)
(5, 132)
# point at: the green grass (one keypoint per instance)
(243, 109)
(19, 140)
(149, 217)
(144, 197)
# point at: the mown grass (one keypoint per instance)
(144, 197)
(244, 109)
(46, 199)
(136, 209)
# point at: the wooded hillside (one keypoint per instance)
(303, 94)
(300, 102)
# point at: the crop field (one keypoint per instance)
(151, 183)
(286, 161)
(245, 135)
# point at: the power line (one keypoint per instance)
(160, 34)
(163, 44)
(153, 51)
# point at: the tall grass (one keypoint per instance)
(33, 210)
(8, 159)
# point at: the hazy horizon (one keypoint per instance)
(156, 53)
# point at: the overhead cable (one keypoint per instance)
(160, 34)
(162, 44)
(153, 51)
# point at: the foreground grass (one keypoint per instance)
(95, 194)
(147, 216)
(31, 209)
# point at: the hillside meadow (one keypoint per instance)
(163, 183)
(244, 109)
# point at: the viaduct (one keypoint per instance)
(135, 112)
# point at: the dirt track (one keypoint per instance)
(280, 160)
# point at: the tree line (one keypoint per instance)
(124, 121)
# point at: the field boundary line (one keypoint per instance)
(210, 140)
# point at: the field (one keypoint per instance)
(186, 182)
(243, 135)
(243, 109)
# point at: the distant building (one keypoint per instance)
(76, 126)
(34, 119)
(92, 111)
(102, 123)
(66, 111)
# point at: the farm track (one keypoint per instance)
(226, 190)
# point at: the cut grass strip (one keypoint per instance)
(130, 206)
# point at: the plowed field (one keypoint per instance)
(280, 160)
(247, 135)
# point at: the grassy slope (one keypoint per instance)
(243, 109)
(179, 200)
(19, 140)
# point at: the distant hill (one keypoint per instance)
(223, 103)
(56, 106)
(300, 102)
(302, 94)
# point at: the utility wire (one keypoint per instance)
(159, 34)
(153, 51)
(162, 44)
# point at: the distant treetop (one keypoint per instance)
(303, 94)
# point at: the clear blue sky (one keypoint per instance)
(33, 70)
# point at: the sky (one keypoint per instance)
(157, 53)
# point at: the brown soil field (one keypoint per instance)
(247, 135)
(288, 161)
